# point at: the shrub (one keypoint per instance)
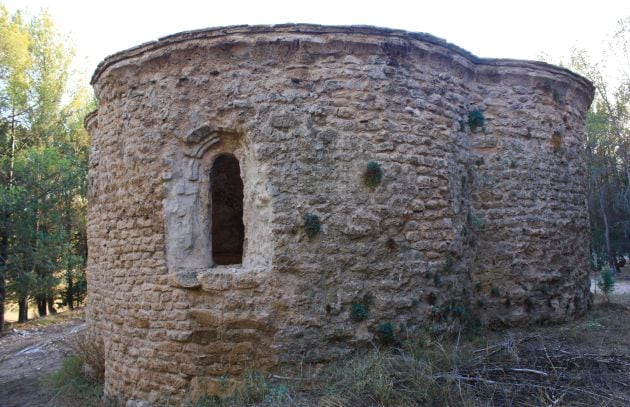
(358, 311)
(312, 225)
(606, 283)
(385, 333)
(90, 351)
(254, 390)
(476, 119)
(71, 386)
(448, 263)
(476, 222)
(373, 174)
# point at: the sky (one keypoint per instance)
(524, 29)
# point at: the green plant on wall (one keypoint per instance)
(312, 225)
(373, 174)
(358, 311)
(475, 221)
(449, 261)
(476, 119)
(386, 334)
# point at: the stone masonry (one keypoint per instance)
(232, 227)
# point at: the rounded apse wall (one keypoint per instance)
(480, 207)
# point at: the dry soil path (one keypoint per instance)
(26, 356)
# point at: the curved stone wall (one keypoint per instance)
(472, 222)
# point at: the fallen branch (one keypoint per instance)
(523, 370)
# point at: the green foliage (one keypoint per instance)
(475, 221)
(43, 166)
(448, 263)
(312, 225)
(386, 334)
(607, 149)
(476, 119)
(358, 311)
(373, 174)
(606, 283)
(71, 386)
(71, 369)
(494, 291)
(437, 279)
(255, 389)
(480, 161)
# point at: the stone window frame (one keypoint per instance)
(187, 210)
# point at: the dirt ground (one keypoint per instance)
(29, 352)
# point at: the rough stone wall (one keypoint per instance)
(488, 220)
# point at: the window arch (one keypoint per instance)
(227, 230)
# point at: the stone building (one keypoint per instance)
(269, 194)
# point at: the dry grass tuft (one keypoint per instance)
(79, 382)
(90, 351)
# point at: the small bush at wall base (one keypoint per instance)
(606, 283)
(476, 119)
(72, 386)
(385, 333)
(90, 350)
(373, 174)
(312, 225)
(254, 390)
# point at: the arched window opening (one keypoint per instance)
(228, 231)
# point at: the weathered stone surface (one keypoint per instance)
(490, 219)
(185, 279)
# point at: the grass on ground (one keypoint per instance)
(582, 363)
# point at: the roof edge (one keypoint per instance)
(216, 32)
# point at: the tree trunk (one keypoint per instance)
(69, 290)
(4, 249)
(51, 305)
(612, 261)
(41, 305)
(2, 295)
(4, 237)
(23, 310)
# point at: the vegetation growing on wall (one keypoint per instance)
(373, 174)
(476, 119)
(312, 225)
